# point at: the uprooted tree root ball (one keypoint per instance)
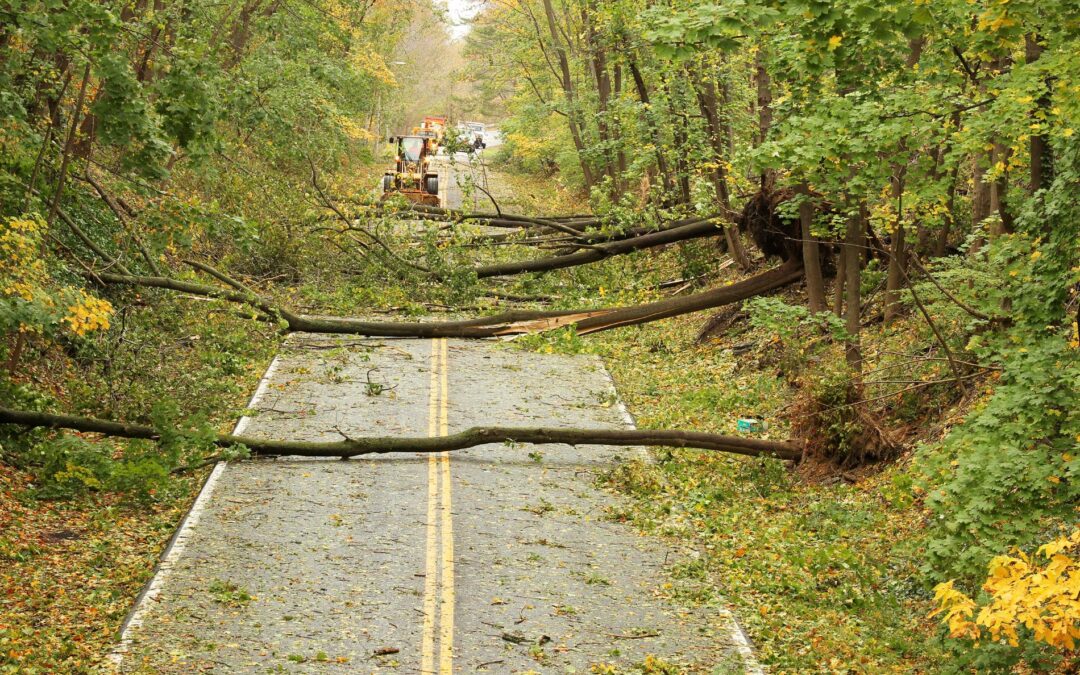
(839, 426)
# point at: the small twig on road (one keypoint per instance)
(385, 651)
(635, 636)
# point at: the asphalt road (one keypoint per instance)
(496, 559)
(462, 178)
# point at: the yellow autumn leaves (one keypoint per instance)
(24, 278)
(88, 315)
(1024, 591)
(21, 268)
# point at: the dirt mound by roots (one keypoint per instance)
(838, 429)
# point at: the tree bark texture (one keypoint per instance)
(694, 230)
(854, 242)
(895, 274)
(815, 283)
(572, 116)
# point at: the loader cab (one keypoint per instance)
(411, 148)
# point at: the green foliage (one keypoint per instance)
(798, 334)
(1010, 471)
(560, 341)
(67, 466)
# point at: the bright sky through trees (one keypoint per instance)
(460, 13)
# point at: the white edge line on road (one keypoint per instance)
(738, 635)
(628, 417)
(178, 543)
(742, 643)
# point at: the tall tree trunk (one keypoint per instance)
(999, 159)
(729, 128)
(680, 136)
(241, 33)
(1042, 165)
(573, 115)
(598, 65)
(705, 92)
(654, 130)
(980, 195)
(815, 284)
(999, 191)
(620, 155)
(980, 199)
(838, 283)
(144, 70)
(65, 159)
(764, 96)
(854, 242)
(897, 253)
(942, 242)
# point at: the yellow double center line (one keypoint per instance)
(439, 569)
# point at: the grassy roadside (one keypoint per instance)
(819, 573)
(73, 553)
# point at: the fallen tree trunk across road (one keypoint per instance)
(369, 445)
(693, 230)
(507, 323)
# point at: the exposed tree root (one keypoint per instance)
(774, 233)
(840, 428)
(353, 447)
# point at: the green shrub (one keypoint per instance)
(1011, 471)
(67, 466)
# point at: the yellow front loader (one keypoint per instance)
(412, 176)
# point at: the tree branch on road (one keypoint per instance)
(371, 445)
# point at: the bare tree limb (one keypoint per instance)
(957, 301)
(119, 213)
(354, 447)
(351, 224)
(701, 228)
